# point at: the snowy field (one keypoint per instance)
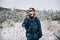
(11, 21)
(14, 31)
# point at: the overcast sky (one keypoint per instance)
(25, 4)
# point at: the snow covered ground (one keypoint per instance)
(14, 31)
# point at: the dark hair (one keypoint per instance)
(32, 9)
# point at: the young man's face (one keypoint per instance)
(31, 13)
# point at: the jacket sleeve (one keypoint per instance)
(25, 22)
(39, 29)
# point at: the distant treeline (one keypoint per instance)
(18, 14)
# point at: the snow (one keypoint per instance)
(17, 32)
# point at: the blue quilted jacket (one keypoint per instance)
(33, 27)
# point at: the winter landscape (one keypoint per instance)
(11, 21)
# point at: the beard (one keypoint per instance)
(31, 16)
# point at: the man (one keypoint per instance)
(32, 25)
